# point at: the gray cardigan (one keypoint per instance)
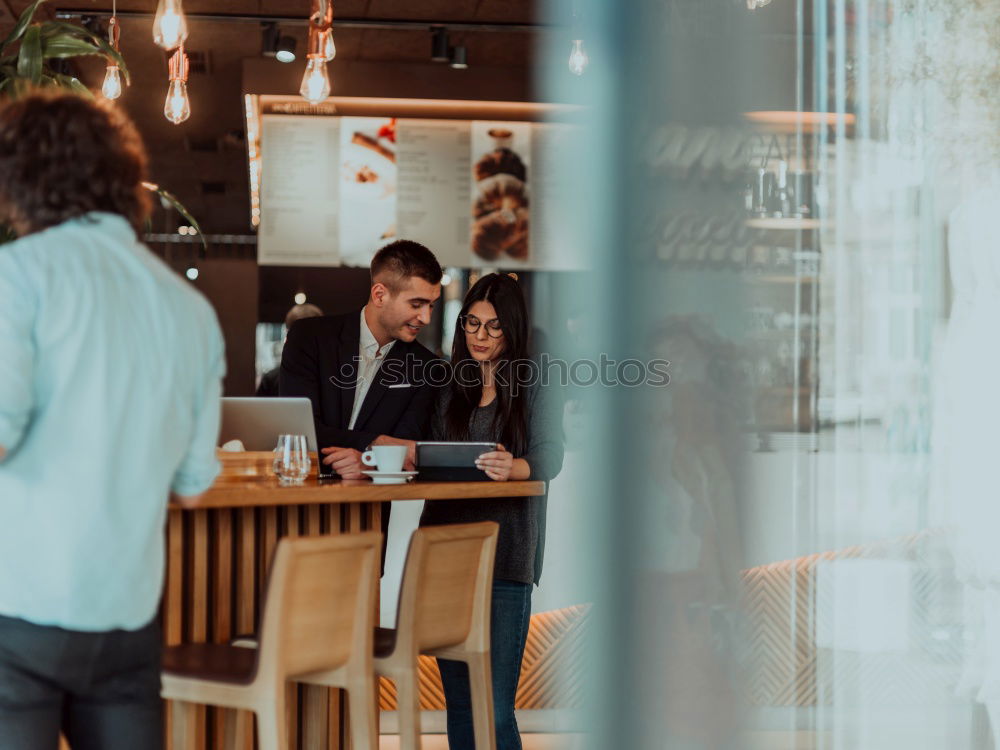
(521, 543)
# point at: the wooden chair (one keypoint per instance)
(319, 615)
(444, 611)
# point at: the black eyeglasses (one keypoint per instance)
(472, 324)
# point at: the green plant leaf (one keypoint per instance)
(22, 24)
(73, 84)
(29, 59)
(65, 45)
(53, 28)
(179, 207)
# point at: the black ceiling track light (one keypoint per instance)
(440, 48)
(275, 45)
(286, 49)
(443, 52)
(361, 24)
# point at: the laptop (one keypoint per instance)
(257, 422)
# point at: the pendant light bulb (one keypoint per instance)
(316, 81)
(329, 48)
(112, 87)
(578, 58)
(177, 107)
(169, 25)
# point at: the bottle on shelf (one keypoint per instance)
(783, 204)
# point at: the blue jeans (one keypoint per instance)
(509, 619)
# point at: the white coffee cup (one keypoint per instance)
(388, 458)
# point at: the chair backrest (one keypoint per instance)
(320, 607)
(447, 586)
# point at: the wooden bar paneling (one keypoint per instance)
(267, 542)
(316, 717)
(197, 610)
(221, 596)
(246, 573)
(173, 605)
(222, 576)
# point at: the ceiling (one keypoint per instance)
(207, 153)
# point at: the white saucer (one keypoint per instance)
(390, 477)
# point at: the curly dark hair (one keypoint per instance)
(62, 156)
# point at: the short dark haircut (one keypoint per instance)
(403, 259)
(62, 156)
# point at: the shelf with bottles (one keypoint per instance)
(774, 321)
(775, 197)
(782, 188)
(782, 265)
(779, 401)
(785, 225)
(793, 123)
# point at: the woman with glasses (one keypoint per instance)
(494, 397)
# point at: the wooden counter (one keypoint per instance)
(219, 553)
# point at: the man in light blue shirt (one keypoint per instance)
(110, 379)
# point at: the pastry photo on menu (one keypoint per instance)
(500, 204)
(368, 181)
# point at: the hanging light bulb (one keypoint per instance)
(578, 58)
(177, 107)
(316, 81)
(112, 87)
(169, 25)
(329, 48)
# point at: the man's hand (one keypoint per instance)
(410, 463)
(186, 501)
(345, 461)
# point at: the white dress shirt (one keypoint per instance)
(370, 358)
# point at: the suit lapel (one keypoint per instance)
(379, 387)
(347, 357)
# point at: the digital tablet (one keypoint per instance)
(451, 462)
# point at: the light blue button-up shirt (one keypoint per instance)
(110, 380)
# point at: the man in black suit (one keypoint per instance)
(365, 373)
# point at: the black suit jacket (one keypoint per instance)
(268, 386)
(319, 362)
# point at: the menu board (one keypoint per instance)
(368, 184)
(299, 188)
(479, 194)
(552, 146)
(433, 203)
(501, 209)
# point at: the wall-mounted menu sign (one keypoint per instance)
(300, 192)
(336, 189)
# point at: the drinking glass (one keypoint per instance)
(291, 460)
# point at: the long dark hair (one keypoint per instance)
(509, 420)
